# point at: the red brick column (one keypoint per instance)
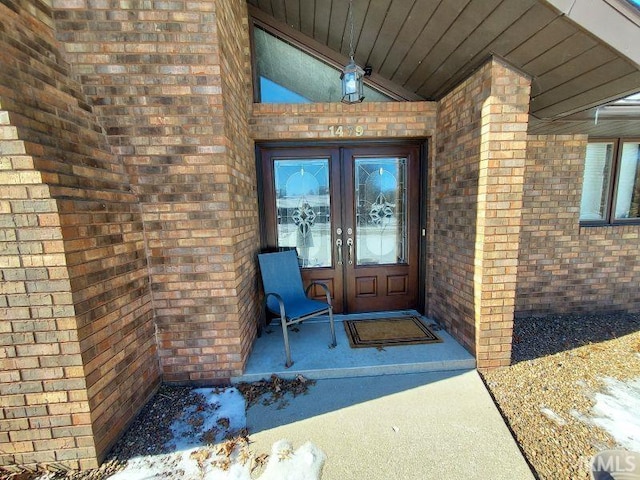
(44, 408)
(77, 341)
(478, 177)
(500, 189)
(171, 86)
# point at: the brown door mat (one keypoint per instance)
(386, 332)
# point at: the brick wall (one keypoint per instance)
(78, 350)
(43, 394)
(478, 181)
(314, 121)
(237, 91)
(455, 210)
(564, 268)
(170, 84)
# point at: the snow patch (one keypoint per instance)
(553, 416)
(208, 422)
(198, 455)
(618, 411)
(284, 464)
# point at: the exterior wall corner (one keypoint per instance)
(479, 179)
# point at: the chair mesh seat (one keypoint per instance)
(285, 295)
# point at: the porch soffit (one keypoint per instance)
(426, 47)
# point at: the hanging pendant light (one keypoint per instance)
(352, 84)
(352, 75)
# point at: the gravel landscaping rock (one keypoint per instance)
(547, 395)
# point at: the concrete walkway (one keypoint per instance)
(439, 425)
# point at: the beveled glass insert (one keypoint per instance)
(381, 210)
(304, 209)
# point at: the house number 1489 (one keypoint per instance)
(348, 130)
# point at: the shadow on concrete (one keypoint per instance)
(408, 426)
(330, 395)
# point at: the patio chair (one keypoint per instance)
(285, 296)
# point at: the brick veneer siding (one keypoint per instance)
(77, 342)
(479, 175)
(44, 408)
(312, 121)
(170, 82)
(565, 268)
(158, 216)
(237, 93)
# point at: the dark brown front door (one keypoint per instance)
(353, 215)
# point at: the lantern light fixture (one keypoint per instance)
(352, 75)
(352, 83)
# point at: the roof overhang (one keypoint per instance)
(615, 22)
(580, 54)
(620, 118)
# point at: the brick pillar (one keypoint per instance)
(478, 181)
(503, 146)
(170, 83)
(78, 351)
(44, 407)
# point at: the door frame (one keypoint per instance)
(423, 148)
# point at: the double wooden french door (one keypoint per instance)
(353, 215)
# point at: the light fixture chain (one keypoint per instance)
(351, 52)
(352, 74)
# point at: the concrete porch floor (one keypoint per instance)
(313, 358)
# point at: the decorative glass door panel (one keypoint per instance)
(353, 216)
(381, 199)
(382, 204)
(303, 208)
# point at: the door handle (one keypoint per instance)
(339, 248)
(350, 245)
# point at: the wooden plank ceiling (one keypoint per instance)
(427, 47)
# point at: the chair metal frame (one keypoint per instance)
(287, 321)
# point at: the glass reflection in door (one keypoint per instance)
(381, 203)
(304, 209)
